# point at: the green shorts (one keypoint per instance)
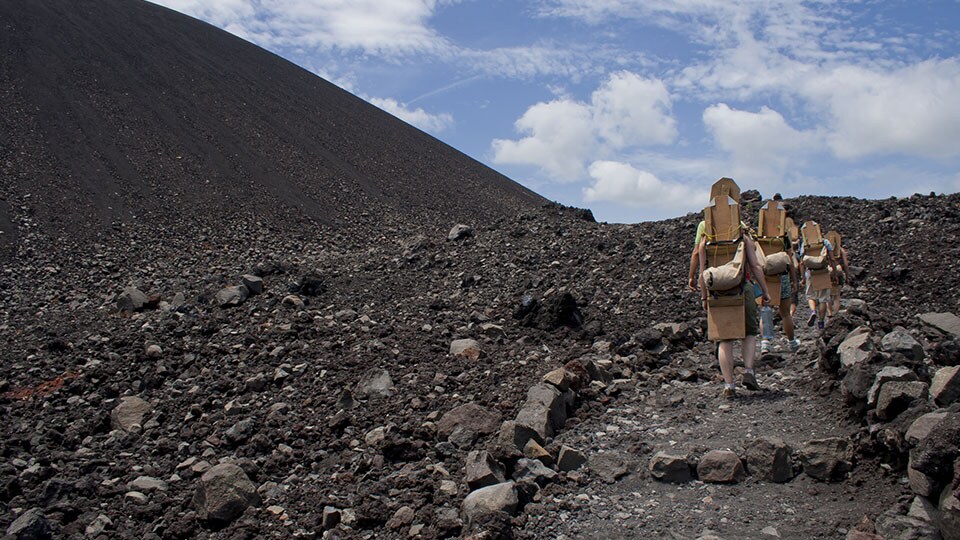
(785, 284)
(751, 322)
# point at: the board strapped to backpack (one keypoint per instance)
(771, 248)
(817, 264)
(725, 261)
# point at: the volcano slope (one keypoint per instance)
(285, 398)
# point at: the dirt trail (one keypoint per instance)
(690, 417)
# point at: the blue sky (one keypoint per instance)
(632, 108)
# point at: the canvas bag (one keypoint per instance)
(816, 262)
(726, 276)
(776, 263)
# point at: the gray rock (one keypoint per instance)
(720, 466)
(531, 469)
(945, 387)
(769, 458)
(533, 450)
(561, 378)
(241, 431)
(857, 382)
(490, 500)
(570, 459)
(231, 296)
(896, 397)
(254, 284)
(888, 374)
(515, 436)
(921, 427)
(610, 466)
(131, 300)
(466, 348)
(893, 525)
(827, 459)
(293, 301)
(30, 525)
(945, 322)
(856, 348)
(949, 515)
(935, 455)
(330, 517)
(459, 232)
(920, 483)
(147, 484)
(469, 416)
(544, 411)
(482, 470)
(129, 413)
(900, 341)
(223, 493)
(375, 383)
(924, 510)
(670, 468)
(98, 526)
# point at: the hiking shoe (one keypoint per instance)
(749, 381)
(794, 345)
(820, 324)
(764, 346)
(812, 319)
(728, 393)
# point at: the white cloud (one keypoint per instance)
(433, 123)
(383, 27)
(911, 110)
(762, 145)
(626, 111)
(560, 139)
(622, 183)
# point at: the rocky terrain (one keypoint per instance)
(222, 316)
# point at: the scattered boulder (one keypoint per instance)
(947, 323)
(533, 450)
(900, 341)
(482, 470)
(670, 468)
(468, 349)
(513, 436)
(721, 466)
(921, 427)
(459, 232)
(945, 387)
(30, 525)
(609, 466)
(856, 348)
(934, 456)
(131, 300)
(231, 296)
(470, 416)
(769, 458)
(562, 378)
(827, 459)
(223, 493)
(894, 523)
(253, 283)
(293, 301)
(570, 459)
(490, 500)
(950, 514)
(129, 413)
(896, 397)
(375, 383)
(531, 469)
(888, 374)
(544, 411)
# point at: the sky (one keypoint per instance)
(633, 108)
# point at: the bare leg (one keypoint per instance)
(749, 353)
(822, 310)
(786, 313)
(725, 353)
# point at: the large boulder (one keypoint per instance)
(469, 416)
(856, 348)
(827, 459)
(544, 411)
(223, 493)
(888, 374)
(945, 387)
(482, 470)
(900, 341)
(769, 458)
(721, 466)
(491, 500)
(129, 413)
(30, 525)
(947, 323)
(896, 397)
(934, 456)
(950, 514)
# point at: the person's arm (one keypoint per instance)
(755, 269)
(692, 281)
(846, 265)
(702, 261)
(793, 274)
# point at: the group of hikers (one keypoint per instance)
(741, 273)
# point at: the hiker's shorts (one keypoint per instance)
(819, 296)
(751, 323)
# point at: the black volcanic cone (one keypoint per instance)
(118, 111)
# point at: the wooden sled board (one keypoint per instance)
(726, 318)
(725, 186)
(820, 280)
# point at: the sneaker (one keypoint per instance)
(728, 393)
(764, 346)
(749, 381)
(812, 319)
(794, 345)
(820, 324)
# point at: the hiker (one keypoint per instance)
(735, 280)
(818, 294)
(777, 259)
(695, 257)
(838, 279)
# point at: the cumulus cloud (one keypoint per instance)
(911, 110)
(624, 184)
(626, 111)
(433, 123)
(560, 137)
